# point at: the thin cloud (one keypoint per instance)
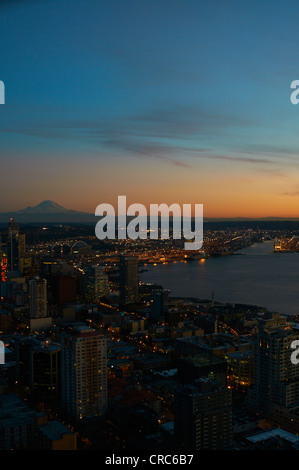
(294, 192)
(231, 158)
(272, 172)
(242, 159)
(272, 151)
(143, 135)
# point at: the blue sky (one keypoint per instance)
(163, 101)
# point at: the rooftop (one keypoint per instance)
(272, 433)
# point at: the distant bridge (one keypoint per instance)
(268, 238)
(71, 246)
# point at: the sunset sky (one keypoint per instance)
(184, 101)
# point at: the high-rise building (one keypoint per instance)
(38, 297)
(240, 368)
(39, 367)
(203, 416)
(275, 389)
(64, 289)
(84, 372)
(96, 283)
(101, 282)
(129, 280)
(198, 366)
(22, 245)
(15, 246)
(159, 304)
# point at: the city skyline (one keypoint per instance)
(116, 346)
(175, 102)
(149, 227)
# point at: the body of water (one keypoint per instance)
(257, 277)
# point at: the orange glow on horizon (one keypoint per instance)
(224, 191)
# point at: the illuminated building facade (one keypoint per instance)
(84, 372)
(96, 283)
(240, 368)
(276, 379)
(16, 246)
(38, 297)
(129, 280)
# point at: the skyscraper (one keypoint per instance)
(38, 297)
(159, 304)
(203, 416)
(64, 289)
(15, 246)
(39, 367)
(101, 282)
(96, 283)
(84, 372)
(275, 390)
(129, 280)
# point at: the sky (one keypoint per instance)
(164, 101)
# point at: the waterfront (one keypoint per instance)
(257, 277)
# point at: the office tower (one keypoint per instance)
(129, 280)
(64, 289)
(84, 372)
(26, 265)
(240, 368)
(13, 246)
(22, 245)
(16, 246)
(203, 416)
(275, 390)
(198, 366)
(39, 367)
(96, 283)
(46, 371)
(159, 304)
(38, 297)
(101, 282)
(54, 267)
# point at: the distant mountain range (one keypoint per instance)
(51, 212)
(47, 212)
